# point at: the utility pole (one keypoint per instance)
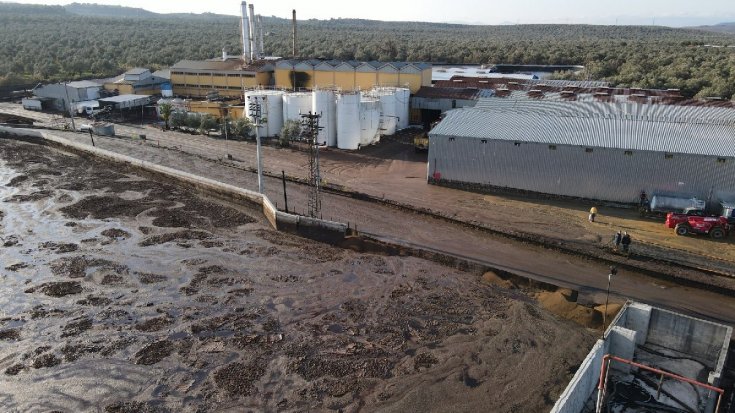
(310, 130)
(613, 271)
(225, 115)
(256, 115)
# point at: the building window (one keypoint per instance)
(721, 160)
(552, 147)
(588, 150)
(629, 153)
(483, 141)
(669, 156)
(451, 139)
(516, 143)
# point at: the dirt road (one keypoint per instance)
(122, 294)
(393, 171)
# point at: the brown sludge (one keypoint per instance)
(222, 312)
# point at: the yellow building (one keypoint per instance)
(350, 75)
(198, 78)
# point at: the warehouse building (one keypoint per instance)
(350, 75)
(64, 96)
(595, 150)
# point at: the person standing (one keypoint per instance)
(617, 239)
(625, 242)
(593, 214)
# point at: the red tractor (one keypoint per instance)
(695, 221)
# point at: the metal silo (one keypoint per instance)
(295, 105)
(388, 112)
(403, 98)
(348, 121)
(271, 104)
(369, 121)
(324, 104)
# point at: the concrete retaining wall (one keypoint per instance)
(584, 382)
(320, 230)
(689, 335)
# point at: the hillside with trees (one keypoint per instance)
(46, 43)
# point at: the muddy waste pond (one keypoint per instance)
(122, 294)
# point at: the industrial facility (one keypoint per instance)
(586, 149)
(651, 360)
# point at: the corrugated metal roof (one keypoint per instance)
(334, 63)
(82, 84)
(124, 98)
(428, 92)
(236, 64)
(136, 71)
(593, 125)
(624, 109)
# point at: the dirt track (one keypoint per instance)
(123, 294)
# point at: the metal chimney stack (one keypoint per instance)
(245, 27)
(294, 33)
(253, 46)
(261, 50)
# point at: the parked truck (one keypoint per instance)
(728, 211)
(663, 204)
(695, 221)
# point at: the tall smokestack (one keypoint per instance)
(245, 27)
(260, 36)
(253, 46)
(294, 33)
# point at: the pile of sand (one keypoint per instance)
(563, 303)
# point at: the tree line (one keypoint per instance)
(47, 43)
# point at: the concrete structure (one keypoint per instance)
(228, 77)
(136, 81)
(688, 347)
(63, 95)
(350, 75)
(594, 150)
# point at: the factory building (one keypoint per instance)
(63, 96)
(228, 76)
(350, 75)
(137, 81)
(595, 150)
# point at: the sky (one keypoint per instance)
(658, 12)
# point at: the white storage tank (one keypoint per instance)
(295, 105)
(388, 112)
(271, 106)
(403, 99)
(348, 121)
(369, 121)
(324, 104)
